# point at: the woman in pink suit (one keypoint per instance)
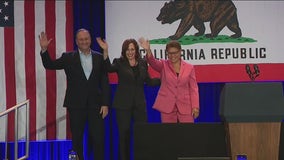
(178, 97)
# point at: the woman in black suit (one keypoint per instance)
(129, 100)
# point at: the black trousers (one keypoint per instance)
(79, 118)
(124, 118)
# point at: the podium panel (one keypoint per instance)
(259, 141)
(171, 141)
(253, 113)
(252, 102)
(281, 148)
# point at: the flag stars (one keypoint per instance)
(6, 18)
(6, 13)
(6, 3)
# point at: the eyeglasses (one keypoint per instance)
(174, 52)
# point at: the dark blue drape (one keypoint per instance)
(89, 14)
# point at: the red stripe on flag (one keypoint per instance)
(51, 75)
(29, 7)
(237, 72)
(9, 43)
(69, 46)
(230, 73)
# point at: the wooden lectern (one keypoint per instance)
(253, 113)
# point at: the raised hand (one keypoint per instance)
(43, 41)
(144, 43)
(103, 44)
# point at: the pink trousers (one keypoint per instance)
(176, 117)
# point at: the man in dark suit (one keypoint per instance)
(88, 92)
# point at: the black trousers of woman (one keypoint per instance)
(124, 120)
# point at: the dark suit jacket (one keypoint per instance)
(130, 90)
(81, 92)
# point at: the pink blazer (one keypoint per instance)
(181, 90)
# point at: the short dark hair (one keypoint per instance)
(173, 44)
(80, 30)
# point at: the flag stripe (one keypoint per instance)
(3, 86)
(237, 73)
(10, 77)
(20, 65)
(30, 63)
(60, 75)
(40, 74)
(51, 75)
(69, 46)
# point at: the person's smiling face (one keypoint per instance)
(174, 54)
(130, 52)
(83, 41)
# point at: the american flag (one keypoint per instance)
(22, 75)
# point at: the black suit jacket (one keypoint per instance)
(81, 92)
(130, 90)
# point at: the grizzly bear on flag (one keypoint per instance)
(220, 13)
